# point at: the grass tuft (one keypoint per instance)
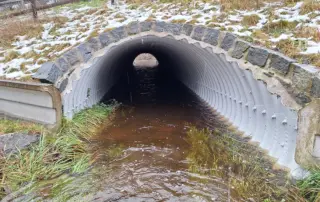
(240, 164)
(66, 152)
(308, 32)
(179, 21)
(228, 5)
(12, 126)
(309, 188)
(279, 27)
(250, 20)
(11, 55)
(310, 6)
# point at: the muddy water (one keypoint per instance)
(150, 128)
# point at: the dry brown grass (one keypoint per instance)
(250, 20)
(310, 6)
(151, 18)
(228, 5)
(308, 32)
(293, 48)
(165, 17)
(119, 15)
(94, 33)
(220, 18)
(9, 29)
(91, 11)
(279, 27)
(260, 35)
(193, 21)
(180, 21)
(290, 2)
(10, 56)
(288, 47)
(313, 59)
(137, 1)
(23, 66)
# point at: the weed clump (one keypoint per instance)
(250, 20)
(310, 6)
(308, 32)
(227, 5)
(66, 152)
(11, 55)
(279, 27)
(11, 126)
(240, 164)
(309, 188)
(179, 21)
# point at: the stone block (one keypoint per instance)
(211, 36)
(280, 62)
(105, 39)
(240, 48)
(228, 41)
(302, 77)
(63, 64)
(198, 33)
(72, 57)
(63, 84)
(315, 89)
(301, 98)
(48, 72)
(14, 142)
(258, 56)
(187, 29)
(159, 26)
(173, 28)
(93, 44)
(133, 28)
(145, 26)
(118, 33)
(84, 52)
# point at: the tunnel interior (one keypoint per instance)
(230, 90)
(130, 79)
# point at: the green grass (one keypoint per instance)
(240, 164)
(277, 28)
(11, 126)
(82, 3)
(309, 188)
(66, 152)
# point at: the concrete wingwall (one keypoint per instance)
(265, 94)
(35, 102)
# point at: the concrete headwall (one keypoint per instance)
(33, 102)
(265, 94)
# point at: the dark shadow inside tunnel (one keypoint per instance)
(154, 78)
(148, 82)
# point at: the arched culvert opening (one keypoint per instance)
(229, 89)
(145, 60)
(145, 72)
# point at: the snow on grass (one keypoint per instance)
(86, 20)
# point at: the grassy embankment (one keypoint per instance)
(246, 169)
(66, 152)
